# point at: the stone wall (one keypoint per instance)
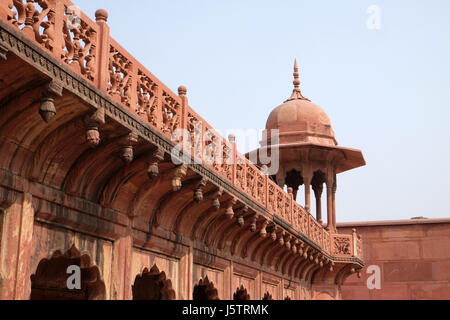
(413, 256)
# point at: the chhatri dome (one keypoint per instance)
(304, 152)
(300, 120)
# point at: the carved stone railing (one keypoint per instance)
(65, 32)
(342, 245)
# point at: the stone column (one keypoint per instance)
(121, 269)
(330, 207)
(334, 203)
(16, 249)
(186, 276)
(307, 181)
(281, 178)
(318, 190)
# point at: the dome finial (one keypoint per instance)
(296, 77)
(297, 94)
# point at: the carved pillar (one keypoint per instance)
(307, 181)
(16, 249)
(318, 190)
(186, 276)
(121, 269)
(334, 203)
(281, 178)
(330, 206)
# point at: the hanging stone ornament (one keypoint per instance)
(92, 123)
(240, 221)
(263, 232)
(230, 212)
(253, 224)
(294, 246)
(300, 249)
(281, 238)
(273, 234)
(127, 151)
(216, 199)
(154, 159)
(47, 108)
(179, 173)
(198, 193)
(287, 241)
(305, 254)
(240, 218)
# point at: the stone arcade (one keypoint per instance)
(86, 179)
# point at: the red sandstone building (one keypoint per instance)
(88, 179)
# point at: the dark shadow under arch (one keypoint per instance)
(205, 290)
(50, 280)
(152, 285)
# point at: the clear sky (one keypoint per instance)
(387, 90)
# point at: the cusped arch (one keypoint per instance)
(50, 282)
(205, 290)
(241, 294)
(153, 285)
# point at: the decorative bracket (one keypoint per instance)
(179, 173)
(281, 238)
(154, 159)
(127, 143)
(287, 241)
(198, 193)
(240, 217)
(92, 123)
(47, 108)
(216, 198)
(230, 212)
(263, 232)
(254, 221)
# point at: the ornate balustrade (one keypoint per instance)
(64, 31)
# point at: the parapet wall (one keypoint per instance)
(413, 257)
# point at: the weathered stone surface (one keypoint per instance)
(412, 256)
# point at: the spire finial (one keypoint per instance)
(296, 94)
(296, 77)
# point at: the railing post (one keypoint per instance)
(266, 186)
(103, 49)
(59, 43)
(291, 204)
(232, 139)
(182, 93)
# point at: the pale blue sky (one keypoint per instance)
(386, 91)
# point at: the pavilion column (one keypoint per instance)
(330, 226)
(318, 190)
(281, 178)
(307, 182)
(334, 203)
